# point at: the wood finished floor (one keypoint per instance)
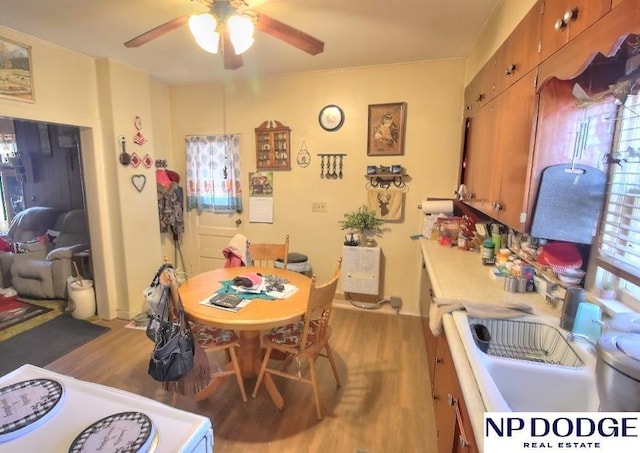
(382, 406)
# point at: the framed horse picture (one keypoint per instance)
(16, 75)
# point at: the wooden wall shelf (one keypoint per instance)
(384, 180)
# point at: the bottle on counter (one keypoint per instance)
(487, 253)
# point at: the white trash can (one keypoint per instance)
(82, 298)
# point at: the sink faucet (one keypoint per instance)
(572, 336)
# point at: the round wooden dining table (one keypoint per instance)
(259, 315)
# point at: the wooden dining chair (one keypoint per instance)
(213, 339)
(304, 340)
(264, 254)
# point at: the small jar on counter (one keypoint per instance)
(487, 253)
(502, 257)
(516, 269)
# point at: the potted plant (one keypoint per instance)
(608, 290)
(364, 223)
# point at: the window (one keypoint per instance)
(618, 256)
(213, 173)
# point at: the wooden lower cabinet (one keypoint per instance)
(453, 427)
(452, 421)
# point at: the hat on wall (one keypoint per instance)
(173, 176)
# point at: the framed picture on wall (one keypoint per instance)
(386, 129)
(16, 75)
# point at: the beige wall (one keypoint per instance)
(103, 97)
(433, 93)
(126, 93)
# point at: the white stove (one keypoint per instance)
(84, 403)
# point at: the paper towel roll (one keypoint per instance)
(437, 207)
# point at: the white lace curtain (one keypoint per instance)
(213, 173)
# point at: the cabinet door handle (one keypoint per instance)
(560, 24)
(438, 360)
(462, 438)
(570, 15)
(497, 206)
(510, 69)
(479, 97)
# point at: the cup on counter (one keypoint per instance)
(511, 284)
(587, 321)
(522, 284)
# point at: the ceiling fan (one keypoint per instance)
(222, 31)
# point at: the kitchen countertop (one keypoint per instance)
(459, 275)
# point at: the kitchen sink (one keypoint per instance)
(527, 365)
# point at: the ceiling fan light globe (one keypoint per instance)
(210, 44)
(203, 28)
(241, 30)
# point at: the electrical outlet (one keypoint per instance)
(319, 206)
(395, 302)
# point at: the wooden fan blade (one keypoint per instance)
(290, 35)
(157, 31)
(231, 60)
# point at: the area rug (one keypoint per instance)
(47, 342)
(14, 312)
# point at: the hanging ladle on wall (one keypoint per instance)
(125, 158)
(334, 174)
(328, 173)
(321, 165)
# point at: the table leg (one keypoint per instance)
(250, 360)
(249, 352)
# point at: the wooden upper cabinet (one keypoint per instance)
(514, 134)
(519, 53)
(563, 20)
(604, 37)
(482, 88)
(478, 156)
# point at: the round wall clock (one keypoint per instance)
(331, 118)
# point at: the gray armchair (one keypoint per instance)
(26, 226)
(47, 278)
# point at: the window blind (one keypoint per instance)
(619, 237)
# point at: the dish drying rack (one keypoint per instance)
(523, 340)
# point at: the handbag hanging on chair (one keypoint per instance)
(172, 355)
(177, 360)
